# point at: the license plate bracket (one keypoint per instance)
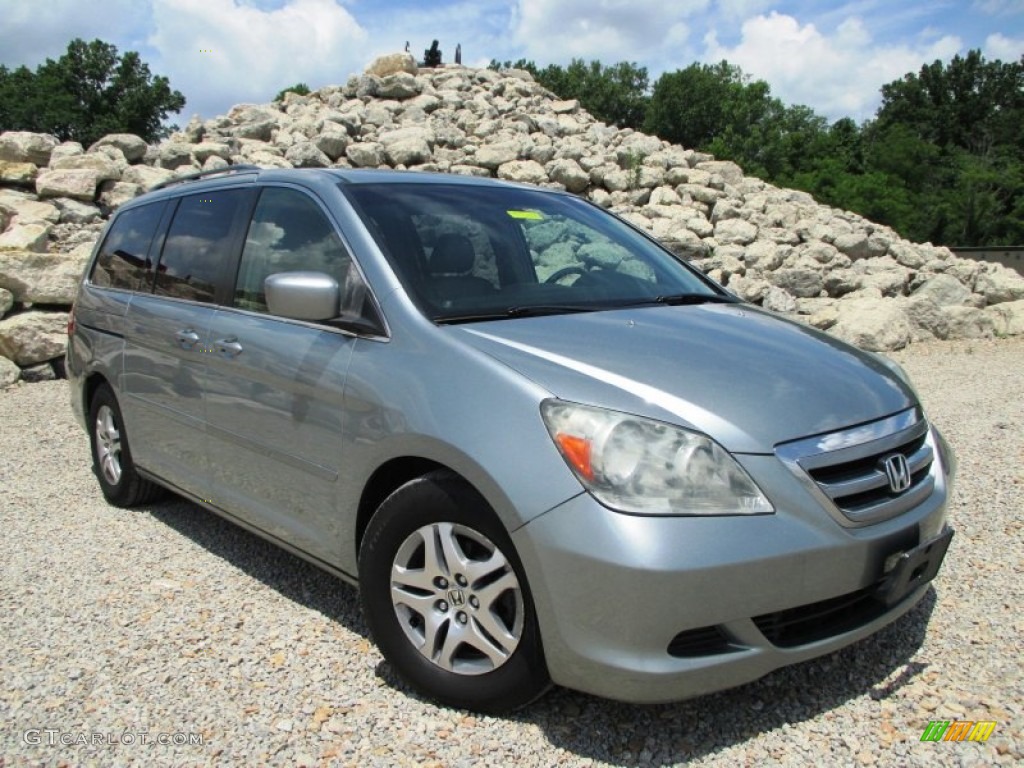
(914, 568)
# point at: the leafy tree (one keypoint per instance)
(952, 134)
(300, 88)
(88, 92)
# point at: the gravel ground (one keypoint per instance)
(137, 630)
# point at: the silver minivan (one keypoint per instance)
(547, 449)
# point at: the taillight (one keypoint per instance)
(71, 321)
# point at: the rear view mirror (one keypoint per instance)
(312, 296)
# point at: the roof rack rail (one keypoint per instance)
(203, 174)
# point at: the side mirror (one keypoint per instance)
(312, 296)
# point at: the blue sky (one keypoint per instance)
(831, 56)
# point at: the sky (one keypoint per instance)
(831, 56)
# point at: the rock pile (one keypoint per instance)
(774, 247)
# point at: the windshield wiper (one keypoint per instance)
(524, 311)
(679, 299)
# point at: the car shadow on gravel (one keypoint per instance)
(624, 734)
(291, 576)
(588, 726)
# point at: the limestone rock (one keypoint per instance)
(306, 155)
(176, 155)
(31, 236)
(400, 86)
(526, 171)
(43, 278)
(570, 175)
(873, 324)
(1007, 318)
(735, 231)
(365, 154)
(799, 283)
(998, 284)
(970, 322)
(729, 171)
(391, 64)
(79, 184)
(26, 147)
(27, 209)
(106, 169)
(75, 211)
(146, 177)
(9, 372)
(114, 194)
(6, 301)
(133, 147)
(778, 300)
(33, 337)
(944, 290)
(18, 174)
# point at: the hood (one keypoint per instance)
(745, 377)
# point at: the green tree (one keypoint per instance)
(951, 134)
(86, 93)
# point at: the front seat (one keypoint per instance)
(450, 264)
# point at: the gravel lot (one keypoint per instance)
(165, 623)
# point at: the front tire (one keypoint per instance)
(446, 599)
(111, 456)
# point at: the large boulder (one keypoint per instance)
(998, 284)
(1007, 318)
(79, 184)
(133, 147)
(391, 64)
(18, 174)
(106, 168)
(26, 147)
(30, 236)
(407, 146)
(43, 278)
(33, 337)
(874, 324)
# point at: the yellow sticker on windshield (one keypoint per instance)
(529, 215)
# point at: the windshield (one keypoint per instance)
(479, 252)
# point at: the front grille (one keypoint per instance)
(817, 621)
(703, 641)
(847, 468)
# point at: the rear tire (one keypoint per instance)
(111, 456)
(446, 599)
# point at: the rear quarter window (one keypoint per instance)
(123, 260)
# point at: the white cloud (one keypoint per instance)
(999, 46)
(253, 53)
(999, 7)
(31, 32)
(838, 74)
(608, 30)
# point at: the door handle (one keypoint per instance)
(187, 338)
(229, 347)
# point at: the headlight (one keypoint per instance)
(643, 466)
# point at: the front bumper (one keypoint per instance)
(653, 609)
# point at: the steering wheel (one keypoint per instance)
(575, 269)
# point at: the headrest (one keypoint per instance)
(453, 255)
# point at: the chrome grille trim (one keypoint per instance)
(843, 470)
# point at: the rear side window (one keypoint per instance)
(288, 233)
(198, 245)
(123, 261)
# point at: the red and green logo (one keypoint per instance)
(958, 730)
